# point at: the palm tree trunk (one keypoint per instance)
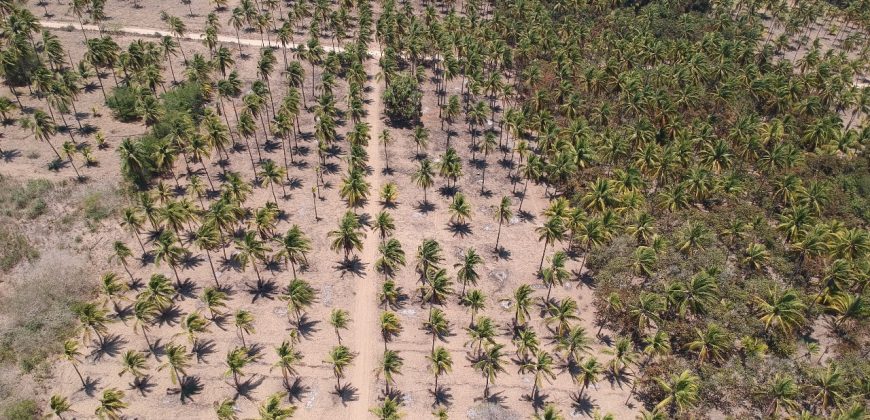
(81, 378)
(498, 235)
(213, 273)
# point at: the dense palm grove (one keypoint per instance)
(704, 163)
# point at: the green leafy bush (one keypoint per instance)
(402, 99)
(122, 102)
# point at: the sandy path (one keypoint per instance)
(192, 36)
(365, 305)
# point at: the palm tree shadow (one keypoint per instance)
(296, 390)
(122, 312)
(582, 404)
(189, 387)
(142, 384)
(618, 378)
(461, 229)
(448, 192)
(503, 253)
(346, 392)
(263, 289)
(168, 316)
(90, 385)
(306, 326)
(395, 394)
(495, 398)
(442, 396)
(424, 207)
(352, 265)
(202, 349)
(538, 401)
(10, 155)
(191, 261)
(187, 288)
(110, 346)
(526, 216)
(248, 386)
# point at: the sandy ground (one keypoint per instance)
(315, 397)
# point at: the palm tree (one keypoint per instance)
(502, 215)
(193, 325)
(339, 319)
(272, 409)
(385, 225)
(460, 209)
(391, 259)
(177, 361)
(437, 325)
(541, 366)
(389, 194)
(590, 371)
(828, 386)
(550, 413)
(348, 237)
(474, 301)
(489, 364)
(225, 409)
(681, 392)
(237, 359)
(390, 326)
(551, 231)
(467, 273)
(782, 392)
(214, 300)
(522, 301)
(244, 323)
(71, 353)
(294, 247)
(133, 362)
(385, 139)
(429, 257)
(59, 405)
(424, 177)
(166, 250)
(714, 342)
(273, 174)
(562, 313)
(391, 364)
(387, 410)
(93, 319)
(42, 127)
(111, 404)
(298, 295)
(251, 250)
(482, 332)
(354, 188)
(340, 357)
(208, 239)
(440, 363)
(781, 309)
(288, 358)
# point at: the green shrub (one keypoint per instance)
(402, 99)
(122, 102)
(14, 247)
(21, 410)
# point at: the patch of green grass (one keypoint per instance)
(26, 200)
(14, 247)
(21, 410)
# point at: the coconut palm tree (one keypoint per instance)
(93, 319)
(271, 409)
(550, 413)
(440, 363)
(288, 358)
(238, 359)
(243, 320)
(387, 410)
(193, 325)
(541, 367)
(467, 273)
(782, 392)
(339, 319)
(424, 177)
(502, 215)
(42, 127)
(475, 300)
(340, 358)
(483, 331)
(273, 174)
(390, 364)
(59, 405)
(295, 246)
(225, 409)
(298, 295)
(390, 325)
(490, 364)
(133, 362)
(71, 353)
(177, 361)
(385, 225)
(348, 237)
(681, 392)
(214, 300)
(111, 404)
(522, 300)
(781, 309)
(251, 250)
(166, 250)
(391, 259)
(589, 372)
(549, 233)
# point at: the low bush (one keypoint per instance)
(402, 99)
(122, 102)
